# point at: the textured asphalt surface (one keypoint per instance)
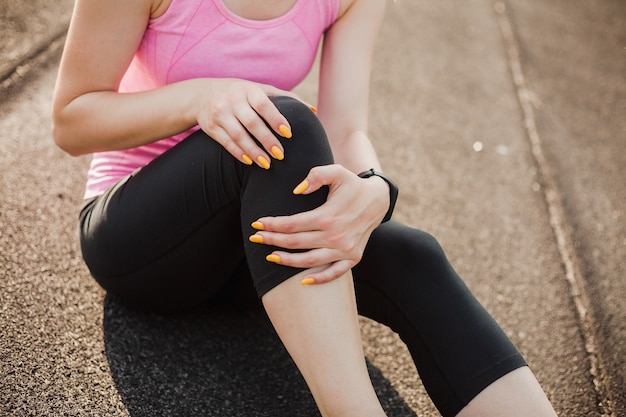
(504, 125)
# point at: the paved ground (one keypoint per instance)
(521, 178)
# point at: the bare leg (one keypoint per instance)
(515, 394)
(318, 325)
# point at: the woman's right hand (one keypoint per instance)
(240, 116)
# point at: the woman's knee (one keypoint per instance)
(404, 260)
(292, 108)
(419, 244)
(409, 245)
(308, 145)
(270, 192)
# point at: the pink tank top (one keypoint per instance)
(203, 38)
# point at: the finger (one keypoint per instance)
(319, 176)
(220, 136)
(332, 272)
(261, 103)
(309, 259)
(306, 221)
(240, 136)
(259, 130)
(304, 240)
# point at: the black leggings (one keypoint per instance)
(175, 233)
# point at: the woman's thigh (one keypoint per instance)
(168, 236)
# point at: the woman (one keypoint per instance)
(206, 168)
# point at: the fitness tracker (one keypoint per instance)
(393, 190)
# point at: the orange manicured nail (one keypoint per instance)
(307, 281)
(302, 187)
(257, 226)
(246, 159)
(263, 162)
(285, 131)
(273, 258)
(256, 239)
(278, 153)
(314, 109)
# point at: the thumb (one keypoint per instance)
(318, 177)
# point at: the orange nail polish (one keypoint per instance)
(256, 239)
(285, 131)
(273, 258)
(314, 109)
(278, 153)
(302, 187)
(246, 159)
(258, 226)
(263, 162)
(307, 281)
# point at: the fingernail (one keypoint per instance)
(285, 131)
(246, 159)
(273, 258)
(278, 154)
(258, 226)
(307, 281)
(302, 187)
(256, 239)
(314, 109)
(263, 162)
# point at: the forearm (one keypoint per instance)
(107, 120)
(356, 153)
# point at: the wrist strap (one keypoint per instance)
(393, 190)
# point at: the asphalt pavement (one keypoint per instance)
(503, 123)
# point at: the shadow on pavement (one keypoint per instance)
(214, 361)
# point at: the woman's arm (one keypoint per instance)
(344, 83)
(90, 115)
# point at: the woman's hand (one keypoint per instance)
(336, 232)
(236, 112)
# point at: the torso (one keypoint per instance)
(257, 10)
(249, 9)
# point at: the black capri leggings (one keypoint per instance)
(174, 234)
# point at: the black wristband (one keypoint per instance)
(393, 190)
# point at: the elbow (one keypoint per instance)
(64, 138)
(62, 141)
(65, 129)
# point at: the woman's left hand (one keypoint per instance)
(335, 233)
